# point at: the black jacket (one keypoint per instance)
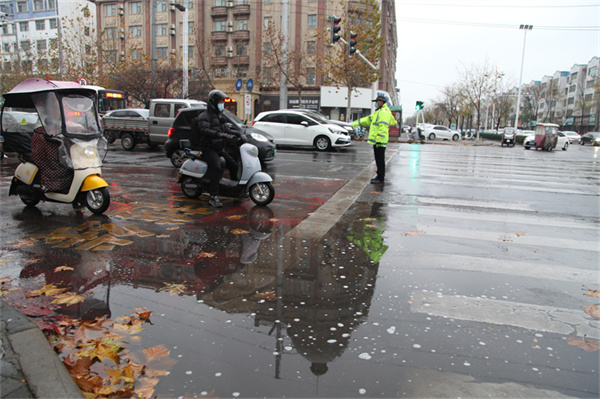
(210, 125)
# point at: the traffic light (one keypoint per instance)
(351, 43)
(419, 105)
(335, 28)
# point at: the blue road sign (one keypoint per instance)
(238, 84)
(249, 84)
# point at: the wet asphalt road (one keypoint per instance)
(461, 277)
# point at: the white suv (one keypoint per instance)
(438, 131)
(293, 127)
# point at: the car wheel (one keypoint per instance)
(127, 141)
(566, 147)
(110, 136)
(322, 143)
(177, 158)
(526, 147)
(431, 136)
(455, 137)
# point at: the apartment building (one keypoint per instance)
(569, 97)
(225, 37)
(29, 33)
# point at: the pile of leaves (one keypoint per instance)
(104, 356)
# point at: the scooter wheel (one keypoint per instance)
(29, 201)
(190, 188)
(97, 200)
(262, 193)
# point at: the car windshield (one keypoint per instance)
(315, 117)
(233, 117)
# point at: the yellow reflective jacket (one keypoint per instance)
(379, 122)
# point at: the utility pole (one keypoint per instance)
(153, 41)
(285, 32)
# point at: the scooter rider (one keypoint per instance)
(213, 134)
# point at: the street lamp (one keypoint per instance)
(525, 28)
(184, 62)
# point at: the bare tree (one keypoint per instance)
(477, 84)
(449, 103)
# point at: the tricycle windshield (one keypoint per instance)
(78, 119)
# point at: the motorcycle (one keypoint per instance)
(416, 134)
(54, 127)
(253, 181)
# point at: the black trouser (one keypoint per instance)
(379, 152)
(215, 172)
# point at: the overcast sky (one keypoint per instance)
(437, 39)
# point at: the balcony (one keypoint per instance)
(241, 35)
(241, 60)
(241, 9)
(218, 11)
(219, 61)
(218, 36)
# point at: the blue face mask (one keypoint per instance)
(220, 107)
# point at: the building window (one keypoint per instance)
(42, 45)
(161, 5)
(241, 24)
(110, 10)
(241, 49)
(86, 31)
(161, 29)
(53, 23)
(311, 47)
(190, 27)
(135, 31)
(267, 22)
(220, 26)
(51, 4)
(38, 5)
(189, 4)
(161, 53)
(571, 101)
(22, 6)
(54, 44)
(6, 47)
(40, 24)
(220, 3)
(23, 26)
(190, 52)
(136, 54)
(312, 21)
(25, 45)
(135, 7)
(220, 50)
(592, 72)
(42, 64)
(110, 33)
(241, 73)
(572, 88)
(241, 2)
(310, 76)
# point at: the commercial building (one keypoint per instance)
(226, 40)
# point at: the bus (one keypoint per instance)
(109, 99)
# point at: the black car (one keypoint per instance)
(592, 138)
(181, 129)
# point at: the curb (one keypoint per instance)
(45, 374)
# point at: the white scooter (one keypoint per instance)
(63, 117)
(253, 181)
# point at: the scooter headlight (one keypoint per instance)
(89, 151)
(254, 151)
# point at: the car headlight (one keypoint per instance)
(258, 137)
(89, 151)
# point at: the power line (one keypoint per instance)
(501, 26)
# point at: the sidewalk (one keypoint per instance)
(28, 365)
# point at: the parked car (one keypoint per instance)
(348, 126)
(438, 131)
(573, 137)
(182, 129)
(300, 128)
(509, 136)
(592, 138)
(562, 141)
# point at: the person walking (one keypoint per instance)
(379, 123)
(212, 135)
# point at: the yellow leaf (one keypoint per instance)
(156, 352)
(592, 310)
(62, 268)
(235, 217)
(239, 231)
(173, 228)
(5, 280)
(586, 345)
(30, 261)
(68, 298)
(207, 254)
(519, 234)
(411, 233)
(48, 290)
(592, 293)
(267, 296)
(146, 388)
(173, 288)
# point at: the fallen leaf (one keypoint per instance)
(173, 228)
(592, 293)
(173, 288)
(506, 239)
(156, 352)
(63, 268)
(239, 231)
(519, 234)
(585, 344)
(535, 250)
(146, 388)
(5, 280)
(274, 220)
(267, 296)
(68, 298)
(48, 290)
(30, 261)
(235, 217)
(207, 254)
(592, 310)
(163, 236)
